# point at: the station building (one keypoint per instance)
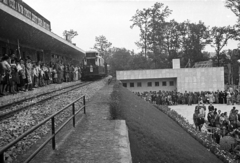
(25, 32)
(179, 79)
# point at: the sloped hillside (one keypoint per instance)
(154, 137)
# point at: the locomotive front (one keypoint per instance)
(93, 67)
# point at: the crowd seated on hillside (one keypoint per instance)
(24, 74)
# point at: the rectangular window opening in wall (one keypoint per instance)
(131, 84)
(149, 84)
(139, 84)
(164, 83)
(171, 83)
(156, 84)
(125, 84)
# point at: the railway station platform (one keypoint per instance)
(95, 139)
(11, 98)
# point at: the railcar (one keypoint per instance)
(94, 66)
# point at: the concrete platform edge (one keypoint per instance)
(124, 143)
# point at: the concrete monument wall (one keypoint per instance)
(188, 79)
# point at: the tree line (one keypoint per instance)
(161, 41)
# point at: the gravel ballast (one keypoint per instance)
(15, 126)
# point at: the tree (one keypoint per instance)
(137, 62)
(102, 46)
(220, 37)
(229, 57)
(234, 6)
(140, 19)
(172, 37)
(151, 22)
(194, 38)
(119, 60)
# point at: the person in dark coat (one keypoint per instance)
(210, 107)
(225, 97)
(221, 97)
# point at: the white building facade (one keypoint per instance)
(180, 79)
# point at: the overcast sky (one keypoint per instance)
(112, 18)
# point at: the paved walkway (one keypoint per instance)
(96, 139)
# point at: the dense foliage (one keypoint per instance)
(161, 41)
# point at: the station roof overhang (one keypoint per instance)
(14, 26)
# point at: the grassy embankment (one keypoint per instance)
(154, 137)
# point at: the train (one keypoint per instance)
(94, 66)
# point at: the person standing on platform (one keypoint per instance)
(75, 73)
(6, 70)
(225, 97)
(190, 98)
(58, 72)
(65, 72)
(50, 70)
(228, 98)
(211, 97)
(221, 97)
(22, 75)
(29, 74)
(216, 95)
(72, 73)
(62, 69)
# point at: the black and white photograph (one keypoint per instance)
(119, 81)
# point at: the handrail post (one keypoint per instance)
(53, 133)
(73, 111)
(2, 157)
(84, 104)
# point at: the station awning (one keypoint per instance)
(14, 26)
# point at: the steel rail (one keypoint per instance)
(11, 113)
(2, 107)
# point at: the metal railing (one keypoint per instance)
(54, 133)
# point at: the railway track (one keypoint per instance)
(8, 110)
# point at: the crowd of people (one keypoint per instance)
(25, 74)
(174, 98)
(218, 123)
